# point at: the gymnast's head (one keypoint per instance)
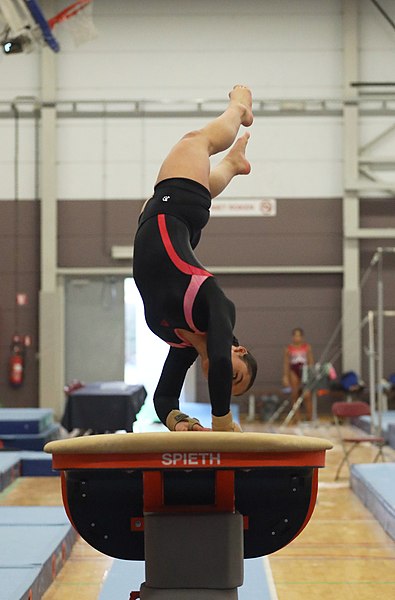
(244, 370)
(297, 336)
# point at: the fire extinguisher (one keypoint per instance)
(16, 362)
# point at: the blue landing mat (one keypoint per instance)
(10, 468)
(391, 435)
(34, 544)
(388, 418)
(26, 464)
(27, 580)
(25, 420)
(37, 464)
(127, 576)
(374, 484)
(30, 441)
(31, 544)
(33, 515)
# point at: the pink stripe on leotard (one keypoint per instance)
(183, 266)
(189, 299)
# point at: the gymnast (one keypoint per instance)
(297, 356)
(184, 305)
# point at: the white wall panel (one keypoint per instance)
(375, 32)
(181, 51)
(167, 49)
(26, 181)
(373, 127)
(378, 65)
(86, 181)
(377, 42)
(219, 7)
(162, 76)
(19, 75)
(78, 180)
(291, 157)
(124, 180)
(80, 140)
(171, 32)
(297, 138)
(7, 146)
(291, 180)
(7, 183)
(26, 140)
(124, 139)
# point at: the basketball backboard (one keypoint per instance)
(24, 26)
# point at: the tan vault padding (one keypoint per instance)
(191, 441)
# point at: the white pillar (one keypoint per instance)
(351, 299)
(51, 343)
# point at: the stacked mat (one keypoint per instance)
(387, 422)
(35, 542)
(10, 468)
(374, 484)
(391, 435)
(24, 464)
(27, 428)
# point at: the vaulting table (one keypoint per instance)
(191, 504)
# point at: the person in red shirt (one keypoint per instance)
(298, 355)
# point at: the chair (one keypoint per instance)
(341, 410)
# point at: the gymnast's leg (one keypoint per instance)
(190, 157)
(234, 163)
(296, 390)
(308, 404)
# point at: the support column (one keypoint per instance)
(51, 345)
(351, 299)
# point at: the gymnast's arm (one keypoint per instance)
(219, 344)
(286, 368)
(168, 390)
(310, 357)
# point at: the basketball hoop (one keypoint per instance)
(78, 19)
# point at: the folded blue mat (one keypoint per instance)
(25, 420)
(30, 441)
(374, 484)
(34, 542)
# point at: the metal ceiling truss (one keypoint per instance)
(382, 105)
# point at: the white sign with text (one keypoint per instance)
(266, 207)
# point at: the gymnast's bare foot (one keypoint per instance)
(236, 156)
(183, 426)
(242, 96)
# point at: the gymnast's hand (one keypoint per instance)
(183, 426)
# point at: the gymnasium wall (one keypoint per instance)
(167, 50)
(306, 232)
(19, 272)
(183, 51)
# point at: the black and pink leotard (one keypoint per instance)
(179, 293)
